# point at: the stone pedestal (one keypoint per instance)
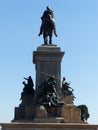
(71, 114)
(24, 113)
(47, 59)
(47, 126)
(69, 111)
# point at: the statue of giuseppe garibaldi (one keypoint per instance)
(48, 25)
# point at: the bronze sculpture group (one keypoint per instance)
(46, 95)
(28, 88)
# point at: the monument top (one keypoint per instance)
(48, 25)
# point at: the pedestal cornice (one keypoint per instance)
(46, 51)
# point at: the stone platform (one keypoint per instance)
(48, 126)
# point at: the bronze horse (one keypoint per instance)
(48, 28)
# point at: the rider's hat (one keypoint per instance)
(48, 8)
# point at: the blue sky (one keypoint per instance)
(77, 29)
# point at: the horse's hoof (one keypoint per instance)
(39, 34)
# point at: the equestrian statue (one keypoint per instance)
(48, 25)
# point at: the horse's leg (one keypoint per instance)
(50, 39)
(45, 38)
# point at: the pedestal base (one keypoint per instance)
(47, 126)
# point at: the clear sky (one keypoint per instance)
(77, 29)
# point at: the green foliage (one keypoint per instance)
(84, 112)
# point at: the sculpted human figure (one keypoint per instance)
(29, 81)
(47, 12)
(48, 25)
(28, 87)
(66, 89)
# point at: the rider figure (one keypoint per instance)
(46, 12)
(45, 15)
